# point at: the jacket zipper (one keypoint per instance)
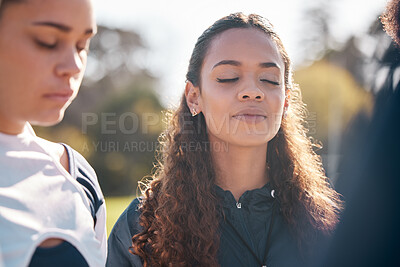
(241, 221)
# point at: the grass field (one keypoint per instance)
(115, 206)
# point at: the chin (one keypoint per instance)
(252, 143)
(254, 139)
(49, 120)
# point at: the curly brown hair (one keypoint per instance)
(391, 20)
(180, 213)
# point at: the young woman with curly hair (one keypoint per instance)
(237, 183)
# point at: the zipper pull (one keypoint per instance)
(238, 205)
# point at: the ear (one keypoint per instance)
(192, 94)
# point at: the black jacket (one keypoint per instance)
(251, 220)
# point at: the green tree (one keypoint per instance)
(330, 93)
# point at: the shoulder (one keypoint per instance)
(84, 174)
(79, 163)
(55, 149)
(81, 170)
(120, 239)
(128, 222)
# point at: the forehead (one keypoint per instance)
(246, 45)
(74, 13)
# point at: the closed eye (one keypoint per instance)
(83, 46)
(227, 80)
(46, 45)
(269, 81)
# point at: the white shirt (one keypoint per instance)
(39, 200)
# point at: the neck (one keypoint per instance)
(239, 169)
(12, 127)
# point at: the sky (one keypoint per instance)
(170, 28)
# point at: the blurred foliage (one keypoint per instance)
(125, 138)
(316, 26)
(326, 89)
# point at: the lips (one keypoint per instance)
(251, 112)
(250, 115)
(60, 96)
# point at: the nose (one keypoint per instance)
(70, 64)
(251, 93)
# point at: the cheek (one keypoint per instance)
(214, 103)
(18, 73)
(216, 113)
(275, 101)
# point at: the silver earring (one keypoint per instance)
(194, 112)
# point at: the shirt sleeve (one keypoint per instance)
(120, 239)
(100, 229)
(86, 176)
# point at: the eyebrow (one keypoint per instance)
(269, 65)
(61, 27)
(237, 64)
(227, 62)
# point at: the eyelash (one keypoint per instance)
(227, 80)
(268, 81)
(53, 46)
(47, 46)
(236, 79)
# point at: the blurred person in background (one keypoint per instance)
(238, 183)
(369, 233)
(52, 211)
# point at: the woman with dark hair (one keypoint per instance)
(238, 183)
(52, 211)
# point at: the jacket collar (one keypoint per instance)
(250, 197)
